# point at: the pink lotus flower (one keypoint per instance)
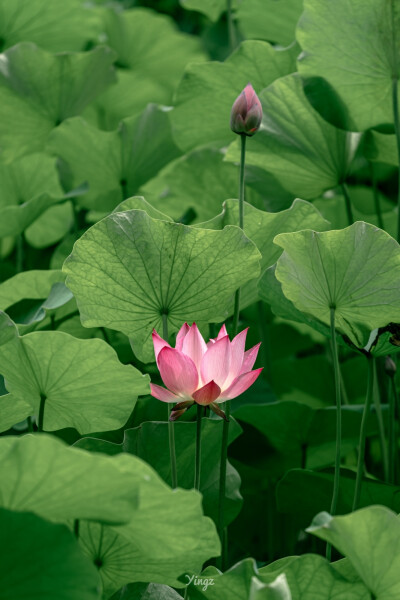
(198, 373)
(246, 114)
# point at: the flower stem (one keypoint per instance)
(171, 429)
(226, 407)
(41, 412)
(243, 137)
(392, 430)
(197, 466)
(363, 433)
(231, 26)
(395, 104)
(336, 481)
(381, 426)
(347, 201)
(395, 101)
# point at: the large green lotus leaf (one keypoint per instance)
(303, 152)
(41, 474)
(359, 58)
(29, 177)
(311, 577)
(152, 54)
(200, 181)
(128, 270)
(77, 378)
(16, 219)
(51, 226)
(12, 410)
(151, 44)
(354, 270)
(207, 91)
(167, 537)
(127, 97)
(43, 560)
(270, 290)
(211, 8)
(38, 90)
(146, 441)
(115, 163)
(35, 285)
(262, 227)
(29, 185)
(54, 26)
(271, 20)
(305, 493)
(370, 539)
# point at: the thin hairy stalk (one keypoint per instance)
(395, 105)
(171, 428)
(347, 201)
(392, 431)
(197, 466)
(336, 368)
(381, 426)
(363, 433)
(226, 407)
(41, 412)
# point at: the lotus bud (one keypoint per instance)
(246, 114)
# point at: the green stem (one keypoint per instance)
(363, 433)
(381, 425)
(41, 412)
(171, 428)
(395, 101)
(377, 201)
(235, 320)
(222, 482)
(231, 26)
(226, 407)
(392, 430)
(347, 201)
(30, 424)
(197, 466)
(336, 368)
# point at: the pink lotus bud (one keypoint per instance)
(206, 374)
(246, 114)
